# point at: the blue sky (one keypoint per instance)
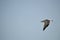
(21, 19)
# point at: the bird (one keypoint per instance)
(46, 23)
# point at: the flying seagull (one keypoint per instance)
(46, 23)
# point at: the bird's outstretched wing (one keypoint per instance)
(45, 26)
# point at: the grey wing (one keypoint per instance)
(45, 25)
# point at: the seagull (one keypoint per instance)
(46, 23)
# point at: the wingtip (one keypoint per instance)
(43, 29)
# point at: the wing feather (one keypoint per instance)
(45, 25)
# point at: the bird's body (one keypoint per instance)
(46, 23)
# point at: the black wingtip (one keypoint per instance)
(43, 29)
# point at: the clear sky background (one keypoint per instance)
(21, 19)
